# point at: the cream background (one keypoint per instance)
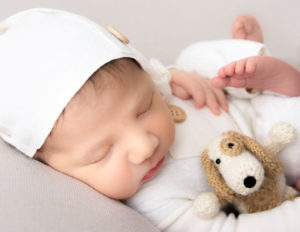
(161, 28)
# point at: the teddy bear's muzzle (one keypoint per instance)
(247, 175)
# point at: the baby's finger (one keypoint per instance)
(190, 86)
(199, 97)
(211, 102)
(194, 89)
(179, 91)
(221, 98)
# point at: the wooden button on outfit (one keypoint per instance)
(177, 113)
(117, 34)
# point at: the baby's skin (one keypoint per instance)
(112, 145)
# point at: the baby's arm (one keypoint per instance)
(262, 73)
(187, 85)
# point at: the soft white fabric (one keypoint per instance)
(270, 109)
(283, 218)
(162, 79)
(167, 199)
(46, 56)
(199, 128)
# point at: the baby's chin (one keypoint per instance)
(126, 196)
(121, 194)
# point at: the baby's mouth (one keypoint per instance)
(154, 170)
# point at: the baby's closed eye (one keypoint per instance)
(148, 105)
(98, 154)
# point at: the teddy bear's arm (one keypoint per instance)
(206, 205)
(279, 136)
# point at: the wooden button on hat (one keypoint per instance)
(117, 34)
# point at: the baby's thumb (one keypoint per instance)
(179, 91)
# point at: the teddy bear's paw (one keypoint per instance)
(283, 133)
(206, 205)
(279, 136)
(290, 193)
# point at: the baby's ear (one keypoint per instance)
(214, 178)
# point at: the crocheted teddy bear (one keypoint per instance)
(245, 173)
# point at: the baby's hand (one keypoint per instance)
(187, 85)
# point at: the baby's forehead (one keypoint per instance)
(116, 74)
(119, 76)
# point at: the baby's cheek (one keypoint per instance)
(119, 182)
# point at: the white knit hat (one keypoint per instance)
(46, 56)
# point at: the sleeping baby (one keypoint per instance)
(80, 99)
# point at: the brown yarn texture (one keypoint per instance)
(268, 196)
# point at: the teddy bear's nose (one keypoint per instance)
(249, 181)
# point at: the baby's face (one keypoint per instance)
(114, 139)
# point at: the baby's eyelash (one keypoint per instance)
(102, 155)
(150, 102)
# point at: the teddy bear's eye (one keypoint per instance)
(218, 161)
(230, 145)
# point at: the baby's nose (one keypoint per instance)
(142, 148)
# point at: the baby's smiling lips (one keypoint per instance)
(154, 170)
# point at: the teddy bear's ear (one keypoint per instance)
(215, 180)
(231, 134)
(269, 160)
